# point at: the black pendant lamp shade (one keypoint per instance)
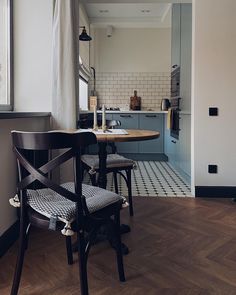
(84, 36)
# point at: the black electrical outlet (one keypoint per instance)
(212, 168)
(213, 111)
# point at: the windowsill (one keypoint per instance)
(14, 115)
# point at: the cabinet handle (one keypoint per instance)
(173, 141)
(125, 116)
(150, 116)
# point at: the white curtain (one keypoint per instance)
(65, 96)
(65, 70)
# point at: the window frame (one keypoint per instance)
(87, 82)
(10, 78)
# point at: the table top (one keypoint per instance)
(133, 135)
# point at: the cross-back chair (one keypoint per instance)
(116, 164)
(81, 208)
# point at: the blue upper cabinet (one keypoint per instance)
(153, 122)
(186, 57)
(176, 35)
(181, 49)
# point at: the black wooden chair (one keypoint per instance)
(82, 209)
(116, 164)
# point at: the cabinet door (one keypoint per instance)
(186, 57)
(153, 122)
(128, 121)
(185, 152)
(179, 151)
(175, 35)
(171, 145)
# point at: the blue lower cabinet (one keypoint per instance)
(128, 121)
(185, 127)
(179, 150)
(153, 122)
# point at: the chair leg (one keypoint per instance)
(27, 236)
(82, 172)
(93, 179)
(69, 250)
(20, 259)
(115, 182)
(131, 210)
(118, 247)
(82, 263)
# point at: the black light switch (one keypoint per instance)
(213, 111)
(212, 168)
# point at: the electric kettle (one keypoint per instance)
(165, 104)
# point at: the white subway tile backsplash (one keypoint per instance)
(115, 89)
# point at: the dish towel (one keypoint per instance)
(169, 118)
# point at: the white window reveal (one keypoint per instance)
(83, 94)
(6, 81)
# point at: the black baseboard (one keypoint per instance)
(8, 238)
(215, 191)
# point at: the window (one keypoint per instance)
(83, 94)
(6, 81)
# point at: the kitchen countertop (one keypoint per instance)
(128, 112)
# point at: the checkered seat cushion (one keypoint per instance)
(50, 204)
(113, 161)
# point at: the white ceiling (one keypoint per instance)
(129, 14)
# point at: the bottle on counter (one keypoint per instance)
(135, 102)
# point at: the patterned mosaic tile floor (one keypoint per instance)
(152, 179)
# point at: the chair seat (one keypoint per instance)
(113, 161)
(49, 203)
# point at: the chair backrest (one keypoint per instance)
(113, 123)
(41, 141)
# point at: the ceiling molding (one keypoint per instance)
(134, 1)
(125, 22)
(129, 15)
(166, 12)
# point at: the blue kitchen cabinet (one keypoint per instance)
(153, 122)
(186, 57)
(176, 35)
(185, 136)
(171, 148)
(128, 121)
(179, 150)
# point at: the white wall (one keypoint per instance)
(132, 50)
(32, 55)
(84, 46)
(213, 81)
(7, 159)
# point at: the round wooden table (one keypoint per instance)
(103, 139)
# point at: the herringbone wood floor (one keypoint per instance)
(177, 246)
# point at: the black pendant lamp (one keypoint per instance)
(84, 36)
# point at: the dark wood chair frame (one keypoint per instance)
(86, 225)
(115, 170)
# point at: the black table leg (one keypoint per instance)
(102, 182)
(102, 177)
